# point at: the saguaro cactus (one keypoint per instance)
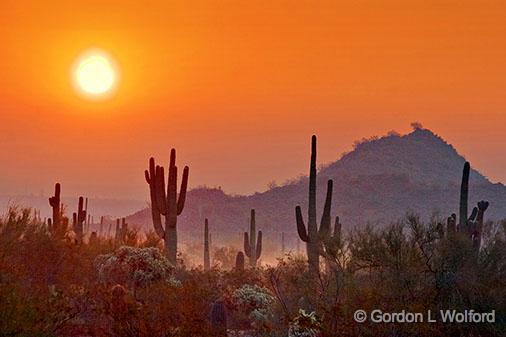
(239, 261)
(166, 202)
(332, 242)
(313, 235)
(117, 233)
(478, 225)
(100, 233)
(252, 246)
(54, 202)
(78, 220)
(471, 226)
(207, 259)
(464, 196)
(219, 319)
(124, 230)
(121, 230)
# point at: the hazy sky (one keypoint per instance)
(238, 87)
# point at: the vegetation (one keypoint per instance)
(166, 202)
(252, 244)
(58, 280)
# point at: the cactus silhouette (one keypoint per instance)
(239, 261)
(282, 243)
(117, 233)
(207, 259)
(478, 225)
(313, 236)
(54, 202)
(464, 196)
(471, 226)
(100, 232)
(219, 319)
(78, 220)
(121, 230)
(252, 245)
(166, 202)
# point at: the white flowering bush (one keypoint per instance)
(136, 267)
(256, 302)
(305, 325)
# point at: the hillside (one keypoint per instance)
(378, 182)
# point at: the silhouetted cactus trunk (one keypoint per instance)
(239, 261)
(124, 230)
(100, 233)
(78, 220)
(219, 319)
(252, 246)
(472, 226)
(283, 243)
(207, 258)
(464, 197)
(117, 233)
(312, 235)
(166, 202)
(54, 202)
(478, 227)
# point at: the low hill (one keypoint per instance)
(379, 181)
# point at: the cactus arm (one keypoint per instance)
(150, 174)
(482, 207)
(301, 228)
(247, 247)
(464, 195)
(474, 213)
(152, 178)
(324, 231)
(182, 193)
(259, 245)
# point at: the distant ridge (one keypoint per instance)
(378, 182)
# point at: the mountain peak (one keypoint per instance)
(421, 156)
(378, 182)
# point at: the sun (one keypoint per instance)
(95, 74)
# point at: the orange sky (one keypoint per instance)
(239, 86)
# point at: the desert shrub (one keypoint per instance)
(305, 325)
(256, 302)
(224, 257)
(52, 286)
(135, 267)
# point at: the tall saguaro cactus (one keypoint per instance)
(464, 195)
(78, 220)
(166, 202)
(207, 258)
(313, 236)
(252, 245)
(471, 226)
(55, 204)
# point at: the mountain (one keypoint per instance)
(378, 182)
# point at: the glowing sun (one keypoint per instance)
(95, 74)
